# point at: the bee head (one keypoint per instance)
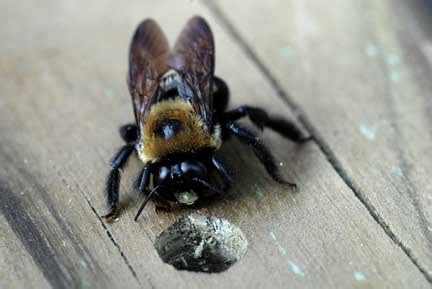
(181, 172)
(180, 179)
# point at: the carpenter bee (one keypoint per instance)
(181, 119)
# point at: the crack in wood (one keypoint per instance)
(114, 242)
(109, 234)
(41, 250)
(32, 224)
(320, 142)
(399, 138)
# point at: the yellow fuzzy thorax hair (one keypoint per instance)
(193, 136)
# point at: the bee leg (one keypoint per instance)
(223, 173)
(144, 179)
(260, 150)
(113, 181)
(143, 182)
(261, 119)
(129, 133)
(220, 95)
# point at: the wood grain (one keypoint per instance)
(63, 95)
(361, 73)
(17, 265)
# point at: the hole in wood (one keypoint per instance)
(201, 244)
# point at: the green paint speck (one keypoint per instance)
(392, 59)
(359, 276)
(287, 53)
(83, 264)
(368, 132)
(259, 194)
(394, 76)
(371, 50)
(397, 171)
(281, 249)
(295, 269)
(108, 92)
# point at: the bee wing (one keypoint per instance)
(193, 57)
(148, 55)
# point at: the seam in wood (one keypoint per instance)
(110, 236)
(401, 156)
(318, 139)
(411, 190)
(81, 251)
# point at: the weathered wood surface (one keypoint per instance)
(361, 72)
(63, 95)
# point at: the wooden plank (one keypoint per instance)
(18, 269)
(55, 226)
(361, 72)
(63, 95)
(41, 201)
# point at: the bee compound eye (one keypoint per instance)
(193, 168)
(164, 172)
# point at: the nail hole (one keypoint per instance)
(201, 244)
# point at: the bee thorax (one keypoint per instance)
(173, 126)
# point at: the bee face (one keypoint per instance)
(179, 173)
(177, 181)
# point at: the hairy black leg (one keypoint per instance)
(147, 198)
(129, 133)
(220, 95)
(260, 150)
(222, 172)
(113, 184)
(261, 119)
(145, 178)
(113, 181)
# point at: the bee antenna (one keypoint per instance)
(145, 202)
(208, 186)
